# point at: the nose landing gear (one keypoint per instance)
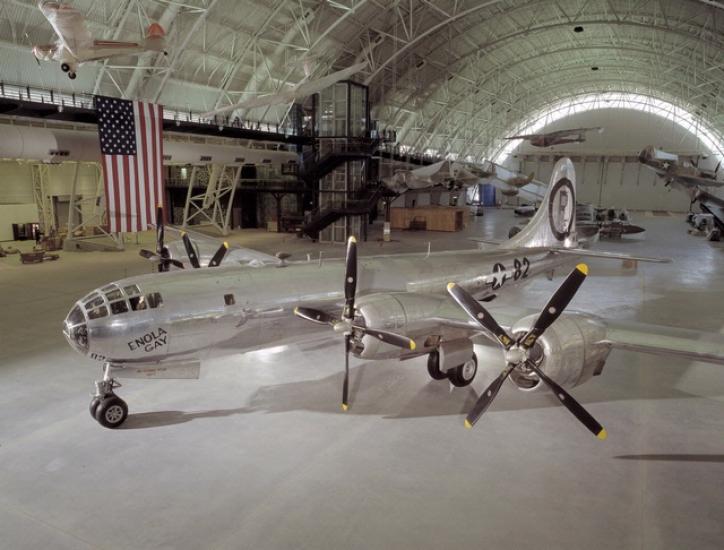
(106, 407)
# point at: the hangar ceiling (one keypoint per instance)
(452, 76)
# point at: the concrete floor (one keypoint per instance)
(257, 454)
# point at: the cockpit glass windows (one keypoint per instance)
(114, 295)
(107, 288)
(98, 312)
(132, 290)
(119, 307)
(154, 300)
(76, 317)
(138, 303)
(94, 302)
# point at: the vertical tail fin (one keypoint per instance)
(554, 224)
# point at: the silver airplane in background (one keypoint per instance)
(558, 137)
(164, 325)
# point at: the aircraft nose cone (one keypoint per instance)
(75, 330)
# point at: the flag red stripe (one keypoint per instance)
(117, 195)
(144, 161)
(127, 187)
(154, 155)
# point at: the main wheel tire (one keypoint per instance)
(112, 411)
(71, 75)
(64, 67)
(464, 374)
(513, 231)
(433, 366)
(94, 406)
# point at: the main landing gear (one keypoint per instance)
(106, 407)
(68, 69)
(459, 376)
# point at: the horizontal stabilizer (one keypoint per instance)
(668, 341)
(585, 253)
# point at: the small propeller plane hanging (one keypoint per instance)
(163, 325)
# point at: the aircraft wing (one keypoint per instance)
(207, 245)
(68, 24)
(624, 335)
(301, 90)
(691, 181)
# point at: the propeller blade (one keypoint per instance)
(479, 314)
(716, 170)
(190, 252)
(345, 385)
(314, 315)
(219, 255)
(484, 401)
(556, 305)
(390, 338)
(159, 230)
(571, 404)
(178, 264)
(350, 278)
(149, 255)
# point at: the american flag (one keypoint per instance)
(131, 135)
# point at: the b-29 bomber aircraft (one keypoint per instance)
(163, 325)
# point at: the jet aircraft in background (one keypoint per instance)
(559, 137)
(163, 325)
(75, 45)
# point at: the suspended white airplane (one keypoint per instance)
(303, 89)
(75, 45)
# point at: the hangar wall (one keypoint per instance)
(612, 181)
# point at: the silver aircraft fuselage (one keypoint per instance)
(186, 314)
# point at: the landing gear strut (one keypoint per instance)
(106, 407)
(459, 376)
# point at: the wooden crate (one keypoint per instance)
(436, 218)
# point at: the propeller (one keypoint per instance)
(193, 257)
(345, 324)
(517, 352)
(163, 256)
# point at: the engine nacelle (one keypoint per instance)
(397, 312)
(570, 348)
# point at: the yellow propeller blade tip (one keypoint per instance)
(583, 268)
(226, 245)
(603, 434)
(296, 311)
(352, 239)
(412, 345)
(468, 425)
(345, 406)
(450, 286)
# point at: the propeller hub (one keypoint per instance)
(516, 355)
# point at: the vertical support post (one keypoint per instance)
(189, 193)
(72, 203)
(234, 185)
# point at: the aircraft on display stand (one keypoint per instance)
(687, 176)
(164, 325)
(559, 137)
(76, 46)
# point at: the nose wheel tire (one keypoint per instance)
(94, 406)
(464, 374)
(64, 67)
(111, 412)
(433, 366)
(71, 75)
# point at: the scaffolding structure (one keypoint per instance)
(214, 204)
